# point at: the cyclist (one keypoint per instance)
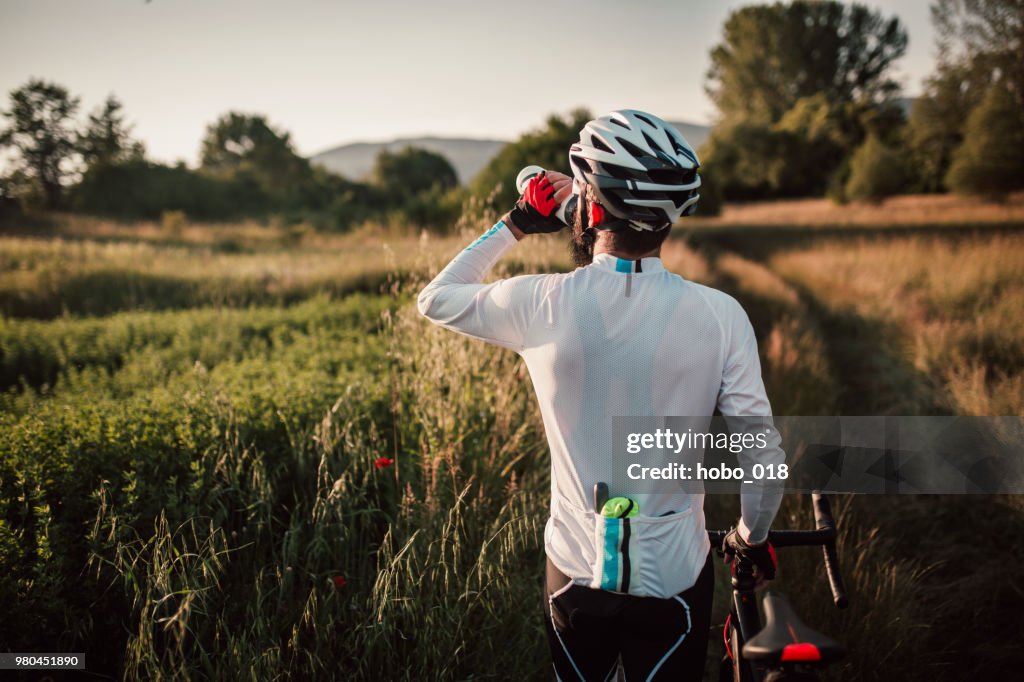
(620, 335)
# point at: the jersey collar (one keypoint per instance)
(606, 261)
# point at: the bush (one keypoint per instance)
(412, 171)
(140, 189)
(710, 203)
(173, 223)
(991, 159)
(547, 147)
(758, 162)
(876, 171)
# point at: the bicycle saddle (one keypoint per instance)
(784, 639)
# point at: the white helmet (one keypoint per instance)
(643, 170)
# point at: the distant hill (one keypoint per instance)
(354, 161)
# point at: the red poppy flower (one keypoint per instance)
(339, 581)
(383, 462)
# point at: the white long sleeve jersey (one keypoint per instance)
(615, 338)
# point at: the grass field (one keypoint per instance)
(237, 452)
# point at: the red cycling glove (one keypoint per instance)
(535, 211)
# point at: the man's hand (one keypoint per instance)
(534, 212)
(762, 555)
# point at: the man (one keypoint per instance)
(618, 336)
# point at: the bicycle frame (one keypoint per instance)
(746, 619)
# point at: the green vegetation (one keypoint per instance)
(991, 159)
(234, 450)
(248, 170)
(411, 171)
(798, 87)
(979, 68)
(185, 484)
(40, 130)
(801, 87)
(547, 147)
(868, 320)
(876, 171)
(807, 104)
(322, 481)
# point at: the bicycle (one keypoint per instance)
(785, 649)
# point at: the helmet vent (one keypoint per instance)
(620, 123)
(651, 143)
(646, 120)
(633, 149)
(680, 149)
(585, 165)
(600, 144)
(672, 176)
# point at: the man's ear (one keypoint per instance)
(596, 213)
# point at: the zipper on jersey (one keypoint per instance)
(630, 267)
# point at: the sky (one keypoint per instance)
(337, 71)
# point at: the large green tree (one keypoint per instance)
(247, 149)
(106, 137)
(41, 130)
(411, 171)
(799, 87)
(991, 159)
(985, 35)
(547, 146)
(977, 42)
(771, 56)
(935, 128)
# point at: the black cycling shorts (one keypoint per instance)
(589, 630)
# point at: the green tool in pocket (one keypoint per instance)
(620, 508)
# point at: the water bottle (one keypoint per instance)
(565, 210)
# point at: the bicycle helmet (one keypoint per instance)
(642, 169)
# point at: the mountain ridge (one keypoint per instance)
(466, 154)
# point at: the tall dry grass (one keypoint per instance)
(925, 209)
(955, 305)
(188, 485)
(86, 268)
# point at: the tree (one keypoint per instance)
(41, 130)
(411, 171)
(547, 147)
(798, 87)
(985, 35)
(754, 161)
(245, 148)
(136, 189)
(991, 159)
(774, 55)
(877, 171)
(978, 42)
(935, 128)
(106, 138)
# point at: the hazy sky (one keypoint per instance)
(337, 71)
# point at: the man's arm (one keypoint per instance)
(500, 312)
(742, 394)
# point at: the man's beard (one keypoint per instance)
(580, 248)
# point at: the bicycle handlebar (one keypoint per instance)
(823, 520)
(823, 535)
